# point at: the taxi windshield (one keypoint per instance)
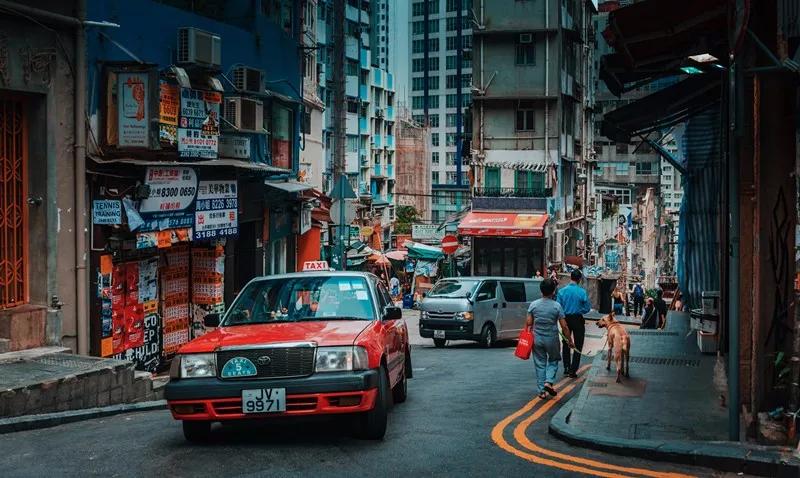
(453, 288)
(296, 299)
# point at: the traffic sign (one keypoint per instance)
(349, 211)
(449, 244)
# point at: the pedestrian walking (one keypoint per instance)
(650, 317)
(394, 286)
(545, 315)
(575, 302)
(618, 298)
(638, 300)
(661, 306)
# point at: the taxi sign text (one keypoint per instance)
(315, 266)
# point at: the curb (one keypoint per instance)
(47, 420)
(725, 456)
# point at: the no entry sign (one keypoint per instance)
(449, 244)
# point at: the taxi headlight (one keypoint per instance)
(196, 365)
(463, 316)
(340, 359)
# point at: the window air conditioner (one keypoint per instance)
(245, 114)
(198, 47)
(248, 80)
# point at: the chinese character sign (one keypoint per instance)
(168, 114)
(198, 127)
(217, 209)
(171, 199)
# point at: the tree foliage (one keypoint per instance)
(405, 217)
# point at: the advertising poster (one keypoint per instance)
(237, 147)
(107, 212)
(132, 114)
(216, 210)
(198, 128)
(169, 103)
(170, 204)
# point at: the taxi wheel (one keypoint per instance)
(196, 431)
(488, 336)
(439, 343)
(372, 424)
(400, 390)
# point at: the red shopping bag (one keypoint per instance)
(524, 345)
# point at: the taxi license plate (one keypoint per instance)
(264, 400)
(438, 334)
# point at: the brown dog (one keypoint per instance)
(619, 343)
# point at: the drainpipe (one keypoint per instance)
(479, 171)
(81, 288)
(733, 260)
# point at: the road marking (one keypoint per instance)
(522, 439)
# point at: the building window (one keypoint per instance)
(434, 119)
(435, 177)
(451, 101)
(418, 102)
(466, 42)
(306, 122)
(525, 50)
(451, 158)
(418, 8)
(452, 5)
(352, 143)
(418, 119)
(526, 120)
(621, 169)
(418, 46)
(644, 168)
(435, 139)
(435, 158)
(451, 139)
(450, 120)
(418, 27)
(452, 23)
(452, 81)
(622, 148)
(667, 178)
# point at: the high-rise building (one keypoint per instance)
(532, 92)
(441, 80)
(312, 163)
(369, 89)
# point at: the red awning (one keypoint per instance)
(503, 224)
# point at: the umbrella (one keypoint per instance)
(396, 255)
(379, 259)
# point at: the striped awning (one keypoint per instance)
(518, 166)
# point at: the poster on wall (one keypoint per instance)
(216, 210)
(106, 212)
(170, 204)
(132, 110)
(198, 128)
(169, 103)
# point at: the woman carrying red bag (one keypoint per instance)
(544, 315)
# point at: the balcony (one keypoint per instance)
(390, 170)
(363, 125)
(351, 48)
(377, 77)
(390, 141)
(377, 172)
(365, 59)
(389, 81)
(377, 141)
(363, 92)
(390, 113)
(513, 192)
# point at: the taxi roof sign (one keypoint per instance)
(309, 266)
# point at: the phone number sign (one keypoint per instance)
(217, 210)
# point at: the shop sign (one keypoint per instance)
(366, 231)
(304, 220)
(107, 211)
(216, 210)
(169, 102)
(355, 232)
(172, 195)
(426, 232)
(132, 110)
(147, 356)
(198, 128)
(237, 147)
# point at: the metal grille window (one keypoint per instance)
(644, 168)
(435, 157)
(525, 50)
(526, 120)
(14, 218)
(435, 139)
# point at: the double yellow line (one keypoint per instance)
(526, 449)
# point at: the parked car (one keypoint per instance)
(484, 309)
(308, 343)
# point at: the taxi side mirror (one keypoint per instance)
(211, 320)
(392, 313)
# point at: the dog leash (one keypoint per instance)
(575, 349)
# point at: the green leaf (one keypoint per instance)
(778, 358)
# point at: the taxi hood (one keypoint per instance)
(323, 333)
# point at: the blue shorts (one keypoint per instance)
(618, 309)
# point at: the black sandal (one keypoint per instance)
(542, 395)
(549, 389)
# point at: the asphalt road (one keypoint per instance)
(452, 424)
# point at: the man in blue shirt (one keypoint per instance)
(575, 302)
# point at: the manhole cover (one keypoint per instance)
(674, 362)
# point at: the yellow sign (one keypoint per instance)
(366, 231)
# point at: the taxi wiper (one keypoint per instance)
(259, 322)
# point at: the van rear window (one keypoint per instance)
(513, 291)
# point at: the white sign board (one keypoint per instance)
(237, 147)
(217, 209)
(426, 232)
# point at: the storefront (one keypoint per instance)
(506, 244)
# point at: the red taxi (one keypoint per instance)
(307, 343)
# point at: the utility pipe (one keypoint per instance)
(479, 171)
(733, 259)
(81, 288)
(44, 14)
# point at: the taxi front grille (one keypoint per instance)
(277, 362)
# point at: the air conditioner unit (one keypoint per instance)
(248, 80)
(198, 47)
(245, 114)
(378, 113)
(526, 37)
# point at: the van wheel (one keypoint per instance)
(196, 431)
(371, 425)
(488, 336)
(439, 343)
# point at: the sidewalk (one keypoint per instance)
(669, 409)
(47, 385)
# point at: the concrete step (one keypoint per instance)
(29, 354)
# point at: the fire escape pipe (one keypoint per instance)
(81, 288)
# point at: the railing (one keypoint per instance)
(513, 192)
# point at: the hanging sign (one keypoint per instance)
(171, 201)
(217, 210)
(198, 128)
(107, 211)
(237, 147)
(132, 110)
(426, 232)
(169, 103)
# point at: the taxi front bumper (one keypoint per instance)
(318, 394)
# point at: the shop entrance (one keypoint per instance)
(249, 253)
(507, 257)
